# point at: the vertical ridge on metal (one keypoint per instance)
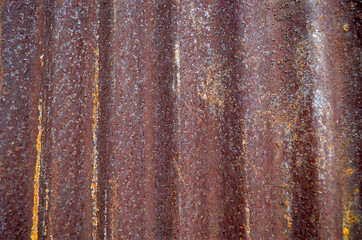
(180, 119)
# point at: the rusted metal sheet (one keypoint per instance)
(180, 119)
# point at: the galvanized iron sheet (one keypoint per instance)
(180, 119)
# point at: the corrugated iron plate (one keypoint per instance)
(180, 119)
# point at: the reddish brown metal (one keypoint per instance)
(180, 119)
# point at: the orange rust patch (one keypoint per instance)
(352, 219)
(345, 231)
(350, 171)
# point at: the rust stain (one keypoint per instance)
(350, 171)
(115, 3)
(213, 88)
(34, 230)
(46, 208)
(95, 174)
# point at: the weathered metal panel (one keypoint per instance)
(180, 119)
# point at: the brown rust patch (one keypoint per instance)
(213, 88)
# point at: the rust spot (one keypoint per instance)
(345, 231)
(350, 171)
(346, 27)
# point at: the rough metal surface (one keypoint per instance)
(180, 119)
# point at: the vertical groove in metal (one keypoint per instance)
(180, 119)
(105, 61)
(19, 119)
(71, 105)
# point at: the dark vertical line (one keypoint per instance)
(305, 211)
(1, 43)
(45, 48)
(159, 119)
(305, 205)
(232, 166)
(166, 177)
(149, 120)
(105, 60)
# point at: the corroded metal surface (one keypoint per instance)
(180, 119)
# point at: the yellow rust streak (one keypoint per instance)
(114, 12)
(94, 185)
(34, 230)
(46, 207)
(287, 215)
